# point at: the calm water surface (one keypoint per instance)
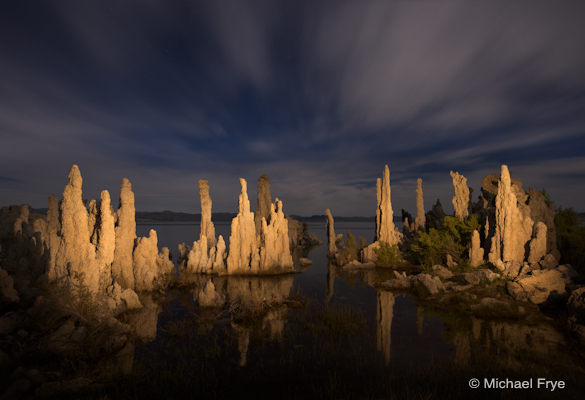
(334, 319)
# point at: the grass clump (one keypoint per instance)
(387, 255)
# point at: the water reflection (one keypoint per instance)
(384, 315)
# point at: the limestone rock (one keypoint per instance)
(76, 255)
(538, 244)
(207, 228)
(513, 227)
(274, 242)
(150, 268)
(461, 198)
(105, 239)
(243, 257)
(420, 221)
(331, 237)
(538, 288)
(475, 252)
(481, 276)
(264, 202)
(130, 299)
(385, 229)
(548, 262)
(122, 270)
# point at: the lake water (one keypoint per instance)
(326, 333)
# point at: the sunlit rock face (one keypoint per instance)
(384, 316)
(419, 222)
(274, 242)
(243, 255)
(76, 257)
(513, 227)
(122, 268)
(385, 229)
(206, 255)
(207, 228)
(475, 252)
(264, 253)
(461, 197)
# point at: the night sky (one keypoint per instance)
(318, 94)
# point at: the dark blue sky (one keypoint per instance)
(318, 95)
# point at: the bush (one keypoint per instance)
(571, 238)
(387, 256)
(453, 239)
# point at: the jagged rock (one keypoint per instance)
(400, 282)
(76, 257)
(420, 221)
(7, 292)
(122, 267)
(538, 244)
(264, 202)
(208, 296)
(207, 228)
(513, 227)
(442, 272)
(475, 252)
(150, 268)
(243, 257)
(435, 217)
(576, 306)
(461, 198)
(105, 240)
(538, 288)
(478, 277)
(274, 247)
(355, 264)
(450, 262)
(385, 229)
(206, 255)
(331, 237)
(541, 210)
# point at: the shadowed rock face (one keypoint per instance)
(543, 211)
(264, 202)
(513, 228)
(461, 198)
(538, 243)
(419, 222)
(122, 268)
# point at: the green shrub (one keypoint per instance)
(453, 239)
(387, 256)
(571, 238)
